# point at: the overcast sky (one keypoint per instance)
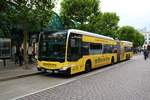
(131, 12)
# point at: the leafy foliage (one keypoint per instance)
(4, 21)
(31, 15)
(105, 23)
(86, 15)
(27, 15)
(128, 33)
(75, 13)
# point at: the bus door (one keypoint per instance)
(74, 53)
(118, 50)
(122, 52)
(98, 58)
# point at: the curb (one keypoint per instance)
(20, 76)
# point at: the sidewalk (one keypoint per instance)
(13, 71)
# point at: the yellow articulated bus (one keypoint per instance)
(73, 51)
(124, 51)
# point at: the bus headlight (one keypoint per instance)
(38, 66)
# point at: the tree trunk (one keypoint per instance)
(25, 50)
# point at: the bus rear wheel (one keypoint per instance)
(88, 66)
(112, 60)
(129, 57)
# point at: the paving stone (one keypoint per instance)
(129, 81)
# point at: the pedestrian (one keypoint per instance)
(20, 56)
(145, 53)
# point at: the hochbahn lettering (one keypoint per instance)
(98, 60)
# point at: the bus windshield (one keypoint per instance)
(52, 46)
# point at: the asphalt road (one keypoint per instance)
(129, 80)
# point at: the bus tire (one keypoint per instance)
(44, 71)
(126, 57)
(112, 60)
(39, 69)
(68, 72)
(88, 66)
(129, 57)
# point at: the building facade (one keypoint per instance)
(147, 38)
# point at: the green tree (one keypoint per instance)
(104, 23)
(139, 40)
(76, 13)
(128, 33)
(4, 25)
(29, 16)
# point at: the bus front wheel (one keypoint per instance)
(88, 66)
(68, 72)
(39, 69)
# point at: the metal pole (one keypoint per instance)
(4, 62)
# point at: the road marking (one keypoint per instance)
(74, 79)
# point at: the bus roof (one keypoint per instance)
(89, 34)
(127, 42)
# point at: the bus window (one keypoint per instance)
(108, 49)
(85, 48)
(128, 49)
(74, 47)
(95, 48)
(52, 46)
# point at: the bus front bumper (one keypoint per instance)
(57, 71)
